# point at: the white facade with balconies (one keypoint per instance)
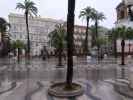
(39, 28)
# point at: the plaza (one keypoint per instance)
(34, 78)
(80, 51)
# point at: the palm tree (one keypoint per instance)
(19, 45)
(3, 30)
(58, 41)
(122, 34)
(87, 13)
(129, 36)
(93, 30)
(97, 17)
(29, 9)
(70, 32)
(101, 41)
(122, 31)
(114, 37)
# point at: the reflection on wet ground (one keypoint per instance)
(33, 78)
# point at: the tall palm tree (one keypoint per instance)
(114, 36)
(97, 16)
(70, 32)
(3, 30)
(87, 13)
(122, 31)
(19, 45)
(58, 41)
(122, 34)
(29, 9)
(129, 36)
(101, 41)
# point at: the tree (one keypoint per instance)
(19, 45)
(4, 40)
(122, 34)
(102, 31)
(29, 9)
(100, 41)
(129, 35)
(97, 16)
(70, 32)
(58, 41)
(114, 36)
(87, 13)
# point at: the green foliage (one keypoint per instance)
(28, 7)
(98, 16)
(129, 33)
(122, 32)
(101, 41)
(87, 13)
(3, 26)
(58, 37)
(18, 44)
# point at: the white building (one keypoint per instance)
(38, 29)
(124, 19)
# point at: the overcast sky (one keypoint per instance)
(57, 9)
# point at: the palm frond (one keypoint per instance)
(29, 7)
(20, 6)
(58, 37)
(86, 12)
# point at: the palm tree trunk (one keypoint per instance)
(92, 40)
(129, 47)
(123, 52)
(2, 44)
(28, 37)
(115, 48)
(70, 32)
(60, 57)
(123, 58)
(86, 38)
(98, 52)
(96, 36)
(96, 26)
(18, 55)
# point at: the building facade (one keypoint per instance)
(79, 38)
(39, 28)
(124, 19)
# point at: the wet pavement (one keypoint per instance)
(91, 76)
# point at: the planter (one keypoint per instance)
(60, 90)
